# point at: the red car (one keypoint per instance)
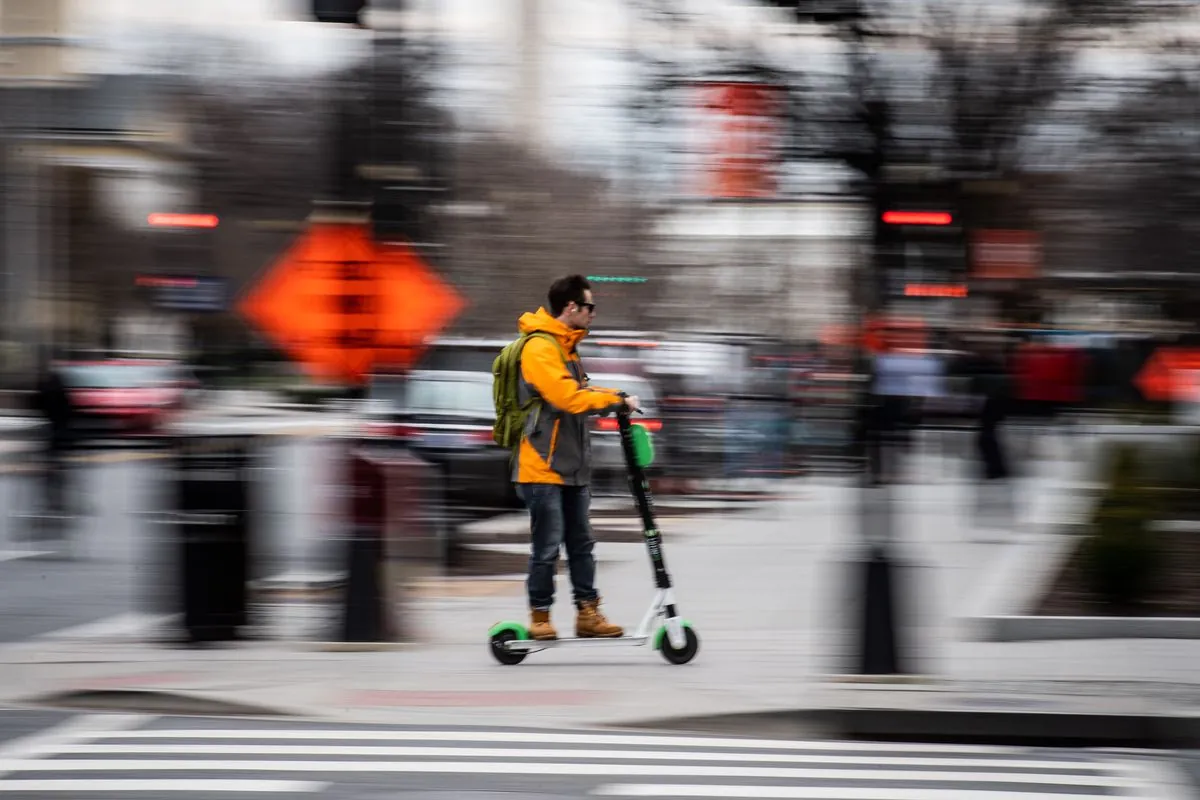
(123, 397)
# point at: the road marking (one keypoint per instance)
(16, 555)
(632, 740)
(15, 754)
(1162, 777)
(821, 792)
(79, 786)
(612, 755)
(533, 768)
(120, 625)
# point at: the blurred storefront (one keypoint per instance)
(86, 157)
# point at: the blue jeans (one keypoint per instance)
(558, 516)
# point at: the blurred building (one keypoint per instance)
(84, 157)
(778, 267)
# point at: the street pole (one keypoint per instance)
(877, 647)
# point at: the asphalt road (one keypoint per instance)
(105, 755)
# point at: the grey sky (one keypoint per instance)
(585, 70)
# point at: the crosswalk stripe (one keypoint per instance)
(818, 792)
(632, 740)
(529, 768)
(51, 739)
(106, 755)
(76, 787)
(613, 755)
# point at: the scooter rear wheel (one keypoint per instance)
(691, 645)
(503, 654)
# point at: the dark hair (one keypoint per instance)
(566, 290)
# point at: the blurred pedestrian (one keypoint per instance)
(53, 402)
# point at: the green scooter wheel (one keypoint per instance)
(501, 634)
(683, 655)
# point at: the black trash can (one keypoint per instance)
(212, 533)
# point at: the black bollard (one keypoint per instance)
(877, 646)
(212, 534)
(365, 599)
(877, 650)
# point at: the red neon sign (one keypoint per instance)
(934, 290)
(917, 218)
(183, 220)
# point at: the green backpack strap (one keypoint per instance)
(535, 400)
(511, 415)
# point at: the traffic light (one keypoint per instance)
(402, 213)
(346, 12)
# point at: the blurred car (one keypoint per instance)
(615, 356)
(445, 417)
(127, 397)
(608, 461)
(462, 354)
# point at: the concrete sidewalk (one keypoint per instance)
(768, 588)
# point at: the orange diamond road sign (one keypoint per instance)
(1165, 375)
(339, 303)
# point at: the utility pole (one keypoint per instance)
(529, 81)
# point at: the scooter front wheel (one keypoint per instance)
(691, 645)
(502, 653)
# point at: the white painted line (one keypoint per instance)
(21, 753)
(533, 768)
(164, 786)
(822, 792)
(631, 740)
(16, 555)
(1157, 779)
(121, 625)
(1048, 765)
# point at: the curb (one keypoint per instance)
(153, 701)
(1037, 628)
(1020, 579)
(944, 726)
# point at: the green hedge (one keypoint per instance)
(1122, 556)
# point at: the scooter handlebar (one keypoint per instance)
(624, 409)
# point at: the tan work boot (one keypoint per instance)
(590, 623)
(541, 627)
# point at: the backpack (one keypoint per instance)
(509, 426)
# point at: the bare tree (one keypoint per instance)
(962, 91)
(528, 221)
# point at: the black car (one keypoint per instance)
(445, 417)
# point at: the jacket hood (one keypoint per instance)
(541, 320)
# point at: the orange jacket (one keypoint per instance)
(555, 447)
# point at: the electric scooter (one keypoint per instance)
(675, 638)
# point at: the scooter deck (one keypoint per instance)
(525, 645)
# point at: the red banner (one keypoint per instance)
(741, 130)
